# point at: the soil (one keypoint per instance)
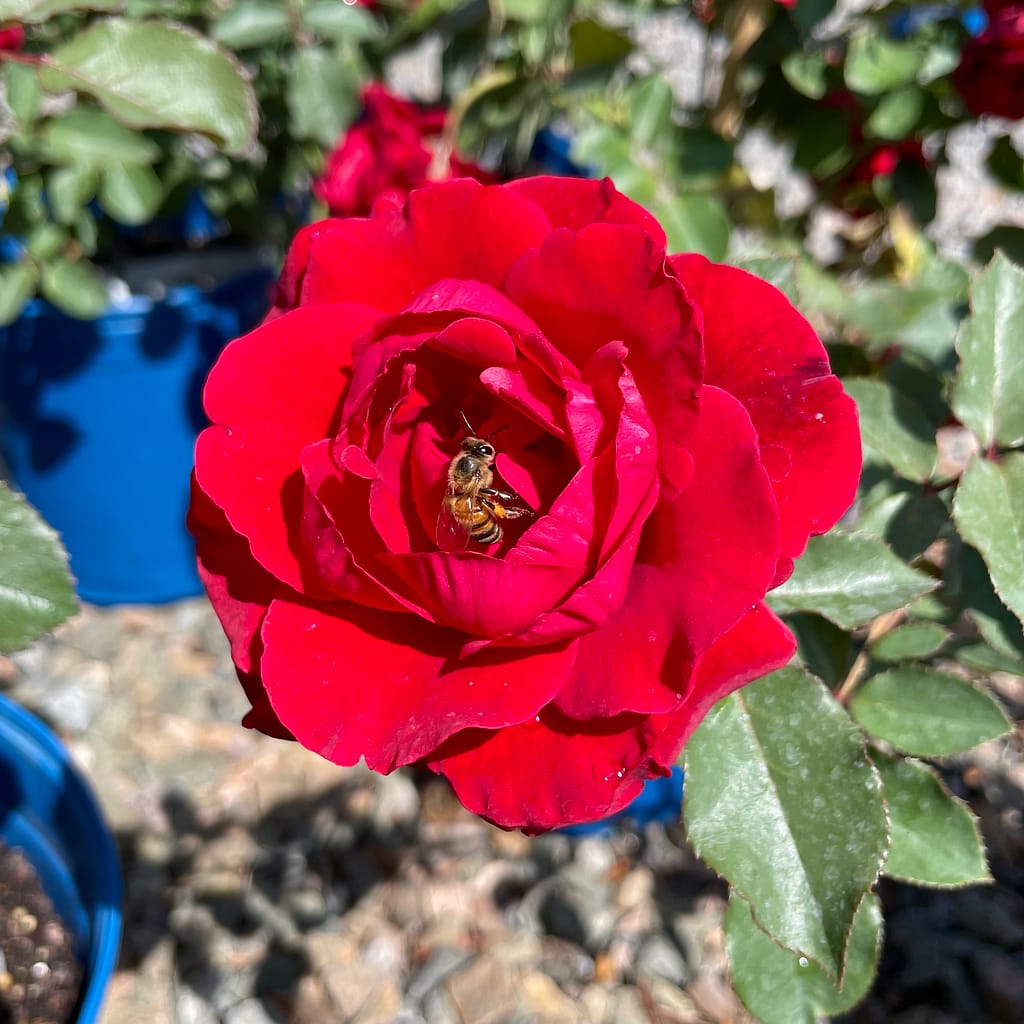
(39, 973)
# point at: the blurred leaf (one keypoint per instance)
(875, 64)
(850, 578)
(1007, 237)
(159, 75)
(694, 223)
(45, 241)
(897, 113)
(806, 72)
(131, 195)
(895, 427)
(650, 106)
(76, 288)
(935, 838)
(771, 823)
(989, 512)
(698, 154)
(822, 142)
(322, 96)
(778, 988)
(1005, 163)
(254, 23)
(988, 391)
(37, 11)
(93, 137)
(926, 713)
(37, 593)
(780, 271)
(17, 283)
(913, 187)
(984, 658)
(595, 45)
(528, 11)
(23, 92)
(69, 189)
(824, 648)
(911, 640)
(968, 580)
(339, 22)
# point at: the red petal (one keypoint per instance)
(353, 682)
(269, 395)
(760, 349)
(576, 202)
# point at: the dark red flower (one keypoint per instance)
(990, 77)
(12, 38)
(395, 147)
(671, 425)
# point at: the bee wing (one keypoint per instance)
(449, 535)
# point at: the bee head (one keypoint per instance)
(479, 448)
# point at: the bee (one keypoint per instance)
(471, 508)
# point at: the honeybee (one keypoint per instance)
(471, 508)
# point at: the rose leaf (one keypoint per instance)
(782, 800)
(988, 390)
(926, 713)
(935, 838)
(850, 578)
(989, 512)
(779, 987)
(37, 592)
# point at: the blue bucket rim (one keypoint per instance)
(106, 919)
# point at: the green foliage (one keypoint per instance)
(771, 824)
(38, 592)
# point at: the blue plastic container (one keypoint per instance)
(100, 420)
(48, 810)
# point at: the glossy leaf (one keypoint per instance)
(849, 578)
(781, 988)
(159, 75)
(926, 713)
(935, 838)
(762, 774)
(894, 427)
(37, 592)
(907, 520)
(988, 391)
(912, 640)
(972, 586)
(824, 648)
(989, 513)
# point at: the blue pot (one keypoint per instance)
(100, 423)
(48, 810)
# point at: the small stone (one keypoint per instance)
(595, 856)
(249, 1011)
(441, 962)
(192, 1008)
(597, 1003)
(629, 1007)
(575, 907)
(542, 999)
(659, 957)
(484, 992)
(307, 907)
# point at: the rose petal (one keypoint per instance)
(760, 349)
(271, 393)
(353, 682)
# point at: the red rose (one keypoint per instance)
(12, 38)
(394, 148)
(670, 427)
(990, 77)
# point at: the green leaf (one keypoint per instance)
(253, 23)
(76, 288)
(824, 648)
(935, 838)
(338, 22)
(926, 713)
(894, 427)
(984, 658)
(695, 223)
(595, 45)
(131, 195)
(650, 106)
(69, 189)
(912, 640)
(968, 580)
(37, 11)
(46, 241)
(897, 113)
(527, 11)
(17, 283)
(908, 521)
(36, 591)
(989, 513)
(875, 64)
(780, 988)
(780, 271)
(849, 578)
(322, 96)
(762, 773)
(23, 92)
(988, 391)
(159, 75)
(93, 137)
(806, 72)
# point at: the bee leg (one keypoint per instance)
(503, 495)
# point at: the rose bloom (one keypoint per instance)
(12, 38)
(990, 77)
(668, 427)
(395, 147)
